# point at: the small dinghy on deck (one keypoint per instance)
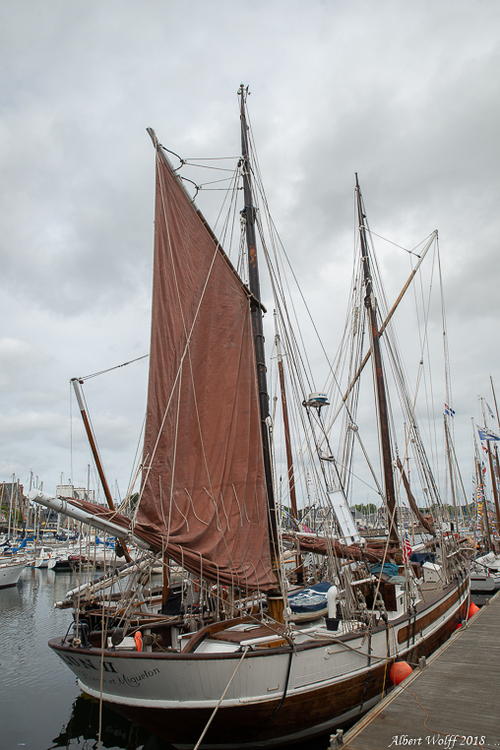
(309, 603)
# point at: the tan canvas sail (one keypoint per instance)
(203, 482)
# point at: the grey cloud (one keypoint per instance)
(405, 94)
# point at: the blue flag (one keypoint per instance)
(485, 434)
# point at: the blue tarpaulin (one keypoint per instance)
(311, 599)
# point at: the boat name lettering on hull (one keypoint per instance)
(79, 661)
(134, 681)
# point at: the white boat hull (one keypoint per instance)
(10, 571)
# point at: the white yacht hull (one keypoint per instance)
(10, 571)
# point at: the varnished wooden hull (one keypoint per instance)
(276, 698)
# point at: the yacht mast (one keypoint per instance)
(383, 413)
(288, 446)
(256, 310)
(494, 487)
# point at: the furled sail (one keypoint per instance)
(203, 485)
(321, 545)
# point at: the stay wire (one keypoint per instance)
(116, 367)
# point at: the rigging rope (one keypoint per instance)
(116, 367)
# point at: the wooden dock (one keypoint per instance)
(453, 703)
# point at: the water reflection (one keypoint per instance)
(11, 598)
(116, 731)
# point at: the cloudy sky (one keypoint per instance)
(404, 92)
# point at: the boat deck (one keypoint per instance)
(454, 702)
(238, 634)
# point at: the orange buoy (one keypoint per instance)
(399, 671)
(472, 610)
(138, 641)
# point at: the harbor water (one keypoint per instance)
(41, 705)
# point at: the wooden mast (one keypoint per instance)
(495, 494)
(450, 469)
(249, 213)
(485, 518)
(494, 473)
(495, 400)
(93, 447)
(494, 487)
(480, 490)
(384, 325)
(288, 447)
(413, 503)
(383, 413)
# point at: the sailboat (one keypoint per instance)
(230, 667)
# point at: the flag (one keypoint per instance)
(490, 410)
(449, 411)
(486, 434)
(406, 548)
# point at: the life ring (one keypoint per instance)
(138, 641)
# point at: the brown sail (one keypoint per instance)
(203, 482)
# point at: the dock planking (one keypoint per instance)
(458, 690)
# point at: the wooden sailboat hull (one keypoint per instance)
(277, 695)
